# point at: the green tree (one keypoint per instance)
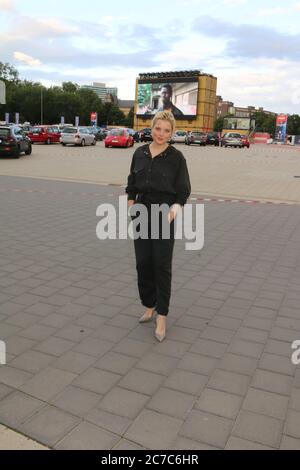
(70, 87)
(219, 124)
(129, 120)
(265, 122)
(293, 125)
(114, 116)
(8, 73)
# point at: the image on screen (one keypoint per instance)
(180, 98)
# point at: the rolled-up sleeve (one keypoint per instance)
(183, 183)
(131, 189)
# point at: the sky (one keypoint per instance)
(252, 47)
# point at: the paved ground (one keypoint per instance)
(263, 172)
(82, 373)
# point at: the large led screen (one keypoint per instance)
(179, 97)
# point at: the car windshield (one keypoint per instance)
(4, 132)
(234, 136)
(116, 132)
(180, 133)
(198, 134)
(37, 129)
(70, 131)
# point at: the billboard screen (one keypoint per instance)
(179, 96)
(236, 123)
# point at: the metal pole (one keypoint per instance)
(42, 108)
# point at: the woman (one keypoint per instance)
(158, 175)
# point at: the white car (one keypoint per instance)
(77, 136)
(179, 137)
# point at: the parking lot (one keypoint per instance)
(261, 172)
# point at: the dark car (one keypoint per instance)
(98, 132)
(13, 141)
(146, 135)
(232, 139)
(134, 134)
(197, 138)
(213, 139)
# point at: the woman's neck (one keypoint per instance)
(158, 148)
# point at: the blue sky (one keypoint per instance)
(252, 47)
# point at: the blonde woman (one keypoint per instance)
(158, 175)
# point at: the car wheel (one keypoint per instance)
(94, 142)
(29, 150)
(83, 143)
(63, 144)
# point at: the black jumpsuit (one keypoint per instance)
(160, 180)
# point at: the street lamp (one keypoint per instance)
(42, 106)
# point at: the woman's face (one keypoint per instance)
(162, 132)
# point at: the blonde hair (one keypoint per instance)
(165, 116)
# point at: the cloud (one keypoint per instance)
(250, 41)
(7, 5)
(27, 59)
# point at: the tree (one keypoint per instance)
(293, 127)
(265, 122)
(8, 73)
(219, 124)
(114, 116)
(129, 120)
(70, 87)
(68, 100)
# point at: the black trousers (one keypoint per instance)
(154, 267)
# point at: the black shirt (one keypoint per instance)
(165, 178)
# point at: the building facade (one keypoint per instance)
(102, 91)
(193, 96)
(224, 108)
(126, 106)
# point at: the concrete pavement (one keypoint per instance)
(82, 373)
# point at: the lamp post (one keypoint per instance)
(42, 106)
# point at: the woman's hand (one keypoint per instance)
(174, 212)
(130, 203)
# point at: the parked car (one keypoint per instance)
(13, 141)
(77, 136)
(26, 128)
(44, 135)
(178, 137)
(245, 141)
(146, 135)
(97, 131)
(198, 138)
(134, 134)
(213, 139)
(119, 138)
(232, 139)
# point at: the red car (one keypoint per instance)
(44, 135)
(119, 138)
(245, 141)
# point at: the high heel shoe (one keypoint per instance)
(146, 319)
(160, 338)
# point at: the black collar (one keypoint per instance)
(163, 154)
